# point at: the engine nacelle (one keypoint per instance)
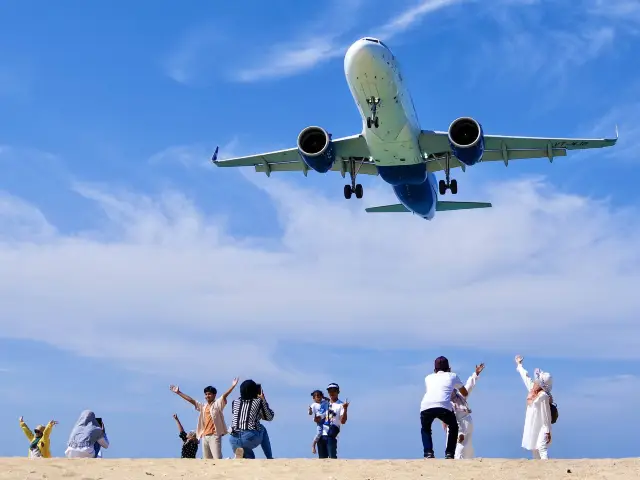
(466, 139)
(316, 150)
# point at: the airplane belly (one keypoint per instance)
(394, 141)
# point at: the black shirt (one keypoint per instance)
(189, 447)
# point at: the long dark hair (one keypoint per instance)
(249, 390)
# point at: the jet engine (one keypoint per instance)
(466, 139)
(316, 149)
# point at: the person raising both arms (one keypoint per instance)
(211, 425)
(39, 439)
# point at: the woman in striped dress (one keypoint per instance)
(248, 410)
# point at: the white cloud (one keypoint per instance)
(317, 45)
(193, 55)
(161, 283)
(625, 116)
(412, 16)
(625, 12)
(195, 155)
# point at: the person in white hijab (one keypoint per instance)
(537, 424)
(86, 433)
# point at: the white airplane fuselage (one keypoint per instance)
(372, 72)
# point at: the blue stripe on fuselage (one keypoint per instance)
(412, 185)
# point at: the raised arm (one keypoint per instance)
(175, 389)
(345, 408)
(523, 373)
(228, 392)
(471, 381)
(175, 417)
(26, 430)
(48, 428)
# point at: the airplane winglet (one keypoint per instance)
(214, 157)
(616, 131)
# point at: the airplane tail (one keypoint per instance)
(440, 207)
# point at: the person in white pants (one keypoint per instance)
(537, 424)
(464, 447)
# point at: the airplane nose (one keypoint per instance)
(361, 53)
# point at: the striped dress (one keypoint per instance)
(248, 413)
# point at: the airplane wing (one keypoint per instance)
(505, 148)
(289, 160)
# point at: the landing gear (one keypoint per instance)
(448, 184)
(373, 105)
(353, 188)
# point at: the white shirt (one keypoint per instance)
(336, 410)
(439, 389)
(319, 409)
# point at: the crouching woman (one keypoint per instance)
(246, 430)
(84, 436)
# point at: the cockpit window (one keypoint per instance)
(375, 40)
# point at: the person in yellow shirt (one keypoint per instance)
(39, 439)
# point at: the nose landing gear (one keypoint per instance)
(373, 105)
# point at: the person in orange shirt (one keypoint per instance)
(39, 439)
(211, 425)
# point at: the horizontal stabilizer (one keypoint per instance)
(440, 207)
(444, 206)
(398, 207)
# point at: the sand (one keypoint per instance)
(284, 469)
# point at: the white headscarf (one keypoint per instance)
(544, 379)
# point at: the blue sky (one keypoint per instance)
(129, 262)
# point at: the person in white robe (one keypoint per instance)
(537, 423)
(464, 447)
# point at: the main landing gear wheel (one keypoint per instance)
(353, 188)
(443, 187)
(448, 183)
(348, 190)
(373, 119)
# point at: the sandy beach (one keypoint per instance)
(284, 469)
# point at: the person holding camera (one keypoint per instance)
(246, 431)
(334, 417)
(84, 436)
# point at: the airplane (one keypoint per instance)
(393, 146)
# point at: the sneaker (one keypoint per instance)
(430, 455)
(448, 456)
(239, 453)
